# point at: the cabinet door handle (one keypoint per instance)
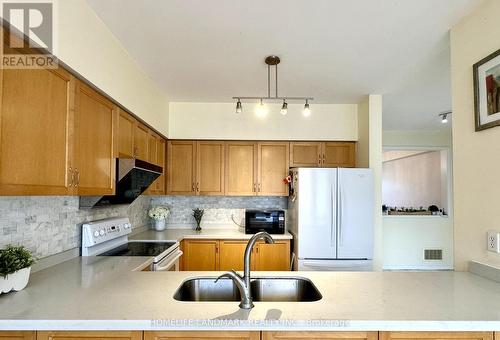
(71, 177)
(259, 187)
(254, 187)
(319, 159)
(198, 186)
(324, 158)
(192, 187)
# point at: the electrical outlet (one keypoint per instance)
(494, 241)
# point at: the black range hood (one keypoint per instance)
(133, 177)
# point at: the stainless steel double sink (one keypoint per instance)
(264, 289)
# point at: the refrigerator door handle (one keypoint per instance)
(341, 207)
(332, 220)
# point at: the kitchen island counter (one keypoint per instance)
(103, 293)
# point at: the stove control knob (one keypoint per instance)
(101, 232)
(96, 233)
(126, 225)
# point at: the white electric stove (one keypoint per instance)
(109, 237)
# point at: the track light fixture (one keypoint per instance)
(284, 108)
(444, 116)
(261, 110)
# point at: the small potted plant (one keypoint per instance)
(15, 267)
(198, 215)
(159, 216)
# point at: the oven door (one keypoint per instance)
(169, 264)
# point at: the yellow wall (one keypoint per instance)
(375, 161)
(219, 121)
(87, 46)
(363, 147)
(476, 155)
(409, 138)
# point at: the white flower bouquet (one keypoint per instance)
(159, 213)
(159, 216)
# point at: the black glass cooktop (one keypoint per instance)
(139, 249)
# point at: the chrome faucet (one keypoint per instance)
(243, 283)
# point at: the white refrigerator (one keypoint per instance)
(331, 213)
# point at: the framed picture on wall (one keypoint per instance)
(487, 91)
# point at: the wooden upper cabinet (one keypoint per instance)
(305, 154)
(153, 140)
(181, 174)
(157, 144)
(323, 154)
(141, 142)
(36, 122)
(94, 158)
(273, 164)
(241, 169)
(210, 168)
(272, 256)
(90, 335)
(126, 128)
(160, 181)
(339, 154)
(200, 255)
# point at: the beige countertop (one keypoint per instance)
(208, 233)
(103, 293)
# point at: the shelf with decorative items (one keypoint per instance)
(159, 216)
(15, 268)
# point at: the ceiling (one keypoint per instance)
(334, 50)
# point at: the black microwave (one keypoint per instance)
(271, 221)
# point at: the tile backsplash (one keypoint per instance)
(49, 225)
(218, 209)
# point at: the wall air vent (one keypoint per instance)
(433, 254)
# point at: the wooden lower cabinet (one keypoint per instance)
(231, 255)
(15, 335)
(202, 335)
(235, 335)
(94, 335)
(225, 255)
(200, 255)
(320, 335)
(436, 336)
(275, 257)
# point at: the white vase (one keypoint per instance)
(159, 225)
(15, 281)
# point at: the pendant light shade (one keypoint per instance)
(307, 111)
(284, 108)
(261, 110)
(239, 108)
